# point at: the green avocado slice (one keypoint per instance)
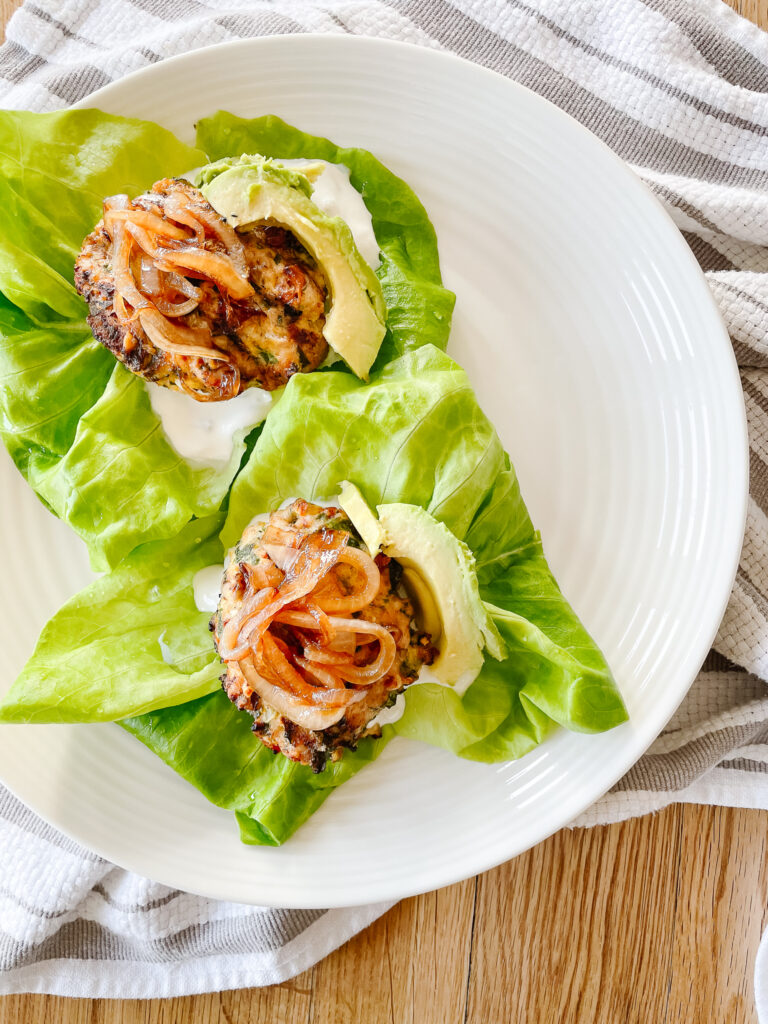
(439, 574)
(251, 189)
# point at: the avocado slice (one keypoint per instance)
(252, 189)
(439, 574)
(362, 518)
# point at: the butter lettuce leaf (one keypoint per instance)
(153, 491)
(55, 170)
(212, 746)
(78, 426)
(130, 642)
(415, 434)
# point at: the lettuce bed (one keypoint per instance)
(79, 426)
(415, 434)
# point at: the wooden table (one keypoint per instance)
(654, 920)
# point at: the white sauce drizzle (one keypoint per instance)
(205, 432)
(333, 192)
(388, 716)
(206, 585)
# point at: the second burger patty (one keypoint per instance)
(391, 608)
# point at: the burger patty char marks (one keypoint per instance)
(268, 336)
(252, 566)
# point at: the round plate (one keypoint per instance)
(596, 349)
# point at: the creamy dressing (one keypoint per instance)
(205, 432)
(388, 716)
(206, 585)
(333, 192)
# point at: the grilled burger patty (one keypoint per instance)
(252, 567)
(268, 336)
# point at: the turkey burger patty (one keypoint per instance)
(183, 300)
(316, 635)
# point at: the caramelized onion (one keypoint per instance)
(381, 665)
(310, 674)
(175, 207)
(272, 654)
(282, 555)
(358, 599)
(183, 341)
(328, 657)
(149, 278)
(158, 286)
(343, 642)
(265, 574)
(199, 262)
(148, 221)
(226, 235)
(125, 286)
(118, 304)
(229, 649)
(175, 308)
(184, 286)
(147, 286)
(324, 623)
(306, 715)
(296, 618)
(324, 676)
(317, 555)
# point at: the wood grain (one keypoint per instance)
(7, 7)
(653, 921)
(754, 10)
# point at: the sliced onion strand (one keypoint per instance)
(313, 665)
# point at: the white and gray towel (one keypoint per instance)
(679, 89)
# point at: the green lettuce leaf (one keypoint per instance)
(415, 434)
(130, 642)
(55, 170)
(213, 747)
(79, 426)
(153, 491)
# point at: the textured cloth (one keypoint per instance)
(679, 89)
(73, 924)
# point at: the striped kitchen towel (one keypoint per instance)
(679, 89)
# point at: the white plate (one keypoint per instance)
(596, 349)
